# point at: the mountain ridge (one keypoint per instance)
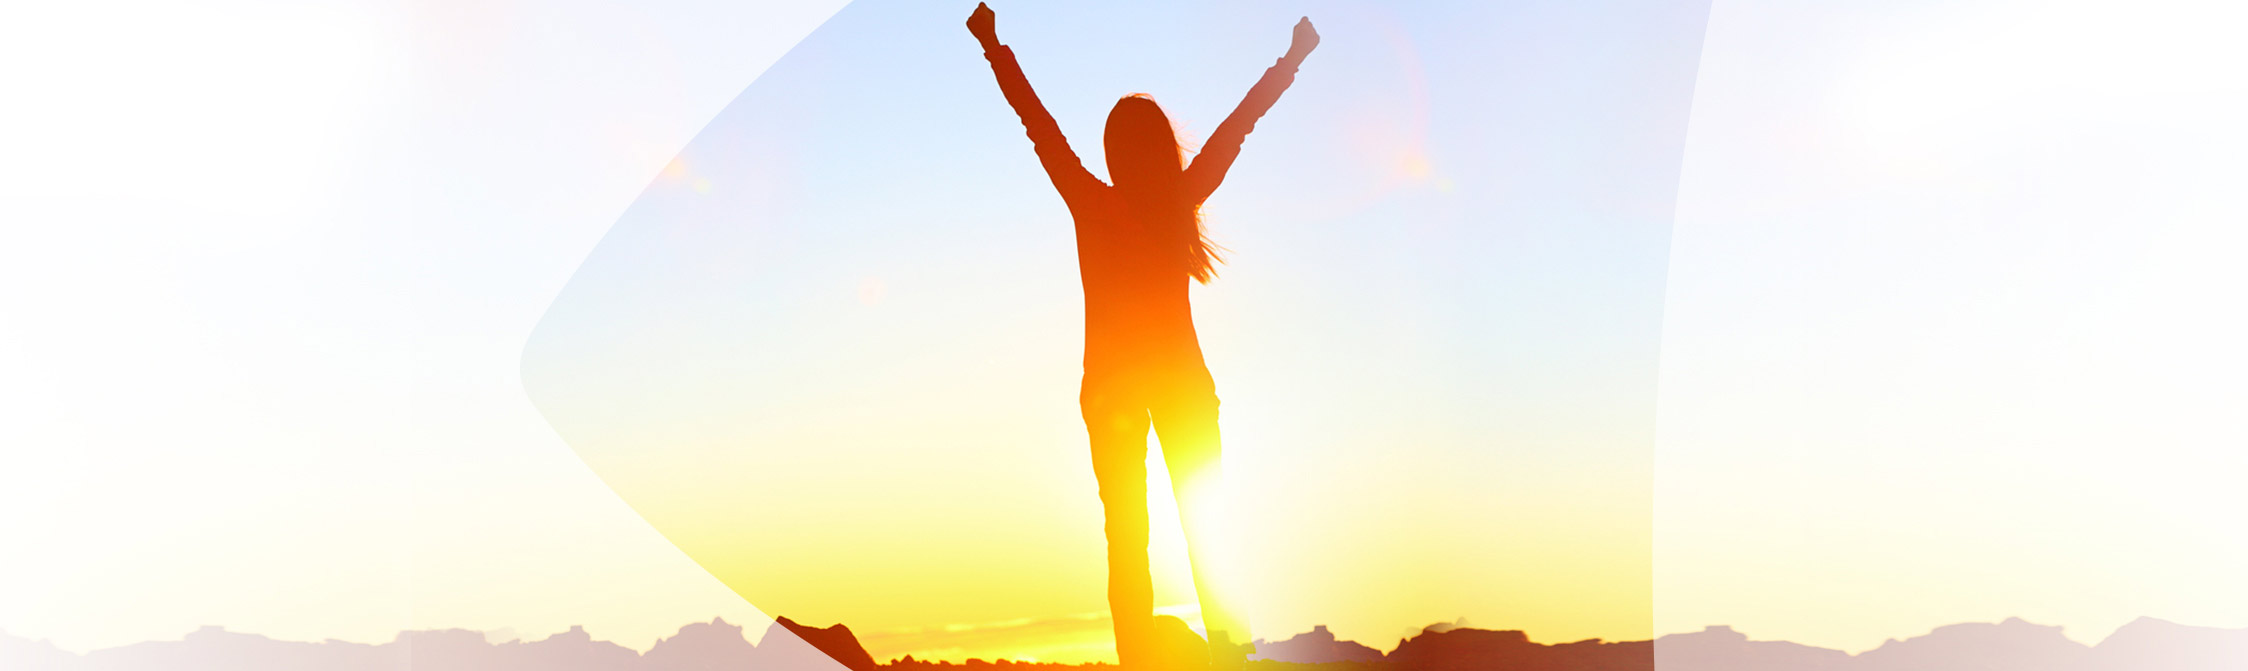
(2145, 644)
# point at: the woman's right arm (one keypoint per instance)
(1209, 166)
(1061, 163)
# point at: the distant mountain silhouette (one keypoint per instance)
(1722, 649)
(2148, 643)
(214, 649)
(23, 653)
(575, 650)
(1466, 649)
(702, 646)
(1317, 646)
(2013, 645)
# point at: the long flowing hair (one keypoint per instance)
(1148, 165)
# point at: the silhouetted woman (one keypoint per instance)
(1139, 243)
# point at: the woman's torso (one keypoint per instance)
(1137, 317)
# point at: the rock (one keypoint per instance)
(789, 646)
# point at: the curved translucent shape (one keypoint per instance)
(832, 352)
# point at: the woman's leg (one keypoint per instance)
(1119, 436)
(1187, 422)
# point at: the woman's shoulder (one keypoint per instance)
(1090, 195)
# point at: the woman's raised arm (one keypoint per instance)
(1224, 145)
(1062, 165)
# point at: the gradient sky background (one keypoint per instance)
(1950, 330)
(833, 353)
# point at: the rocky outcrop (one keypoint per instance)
(789, 646)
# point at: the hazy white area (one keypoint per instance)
(270, 267)
(1954, 328)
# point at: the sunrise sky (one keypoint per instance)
(833, 353)
(336, 321)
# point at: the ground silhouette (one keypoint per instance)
(2147, 644)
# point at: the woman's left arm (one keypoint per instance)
(1224, 145)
